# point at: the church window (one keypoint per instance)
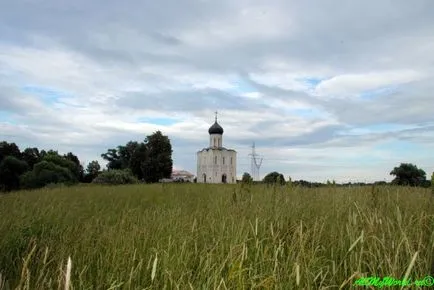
(223, 161)
(231, 160)
(215, 159)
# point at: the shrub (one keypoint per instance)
(116, 176)
(274, 177)
(10, 170)
(44, 173)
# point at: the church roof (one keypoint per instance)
(215, 129)
(181, 173)
(217, 148)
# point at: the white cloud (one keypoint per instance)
(353, 84)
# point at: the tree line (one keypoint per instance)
(146, 161)
(406, 174)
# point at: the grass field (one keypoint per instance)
(195, 236)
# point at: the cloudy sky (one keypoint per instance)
(338, 90)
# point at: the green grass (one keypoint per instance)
(193, 236)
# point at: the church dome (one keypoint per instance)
(215, 129)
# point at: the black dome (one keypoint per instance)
(215, 129)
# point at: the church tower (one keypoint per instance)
(215, 163)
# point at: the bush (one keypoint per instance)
(44, 173)
(274, 178)
(115, 177)
(10, 170)
(247, 178)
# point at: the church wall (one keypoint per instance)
(215, 163)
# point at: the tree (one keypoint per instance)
(78, 170)
(11, 168)
(246, 178)
(92, 171)
(137, 163)
(126, 153)
(62, 161)
(274, 177)
(150, 160)
(159, 163)
(408, 174)
(9, 149)
(44, 173)
(114, 160)
(31, 156)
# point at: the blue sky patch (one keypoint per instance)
(310, 82)
(242, 86)
(307, 112)
(48, 95)
(6, 117)
(387, 127)
(400, 147)
(372, 94)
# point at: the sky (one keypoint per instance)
(338, 90)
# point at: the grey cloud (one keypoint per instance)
(10, 100)
(409, 105)
(165, 38)
(323, 32)
(318, 136)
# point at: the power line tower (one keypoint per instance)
(256, 163)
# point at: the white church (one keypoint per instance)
(216, 164)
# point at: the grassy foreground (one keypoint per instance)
(194, 236)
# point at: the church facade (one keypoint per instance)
(215, 163)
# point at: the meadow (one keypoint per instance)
(200, 236)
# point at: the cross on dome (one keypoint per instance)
(215, 128)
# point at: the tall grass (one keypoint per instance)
(195, 236)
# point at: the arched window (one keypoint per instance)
(223, 161)
(215, 159)
(224, 178)
(231, 160)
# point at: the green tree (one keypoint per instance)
(78, 170)
(31, 156)
(247, 178)
(44, 173)
(113, 158)
(11, 168)
(274, 177)
(138, 161)
(62, 161)
(126, 153)
(159, 163)
(131, 156)
(92, 171)
(150, 160)
(9, 149)
(408, 174)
